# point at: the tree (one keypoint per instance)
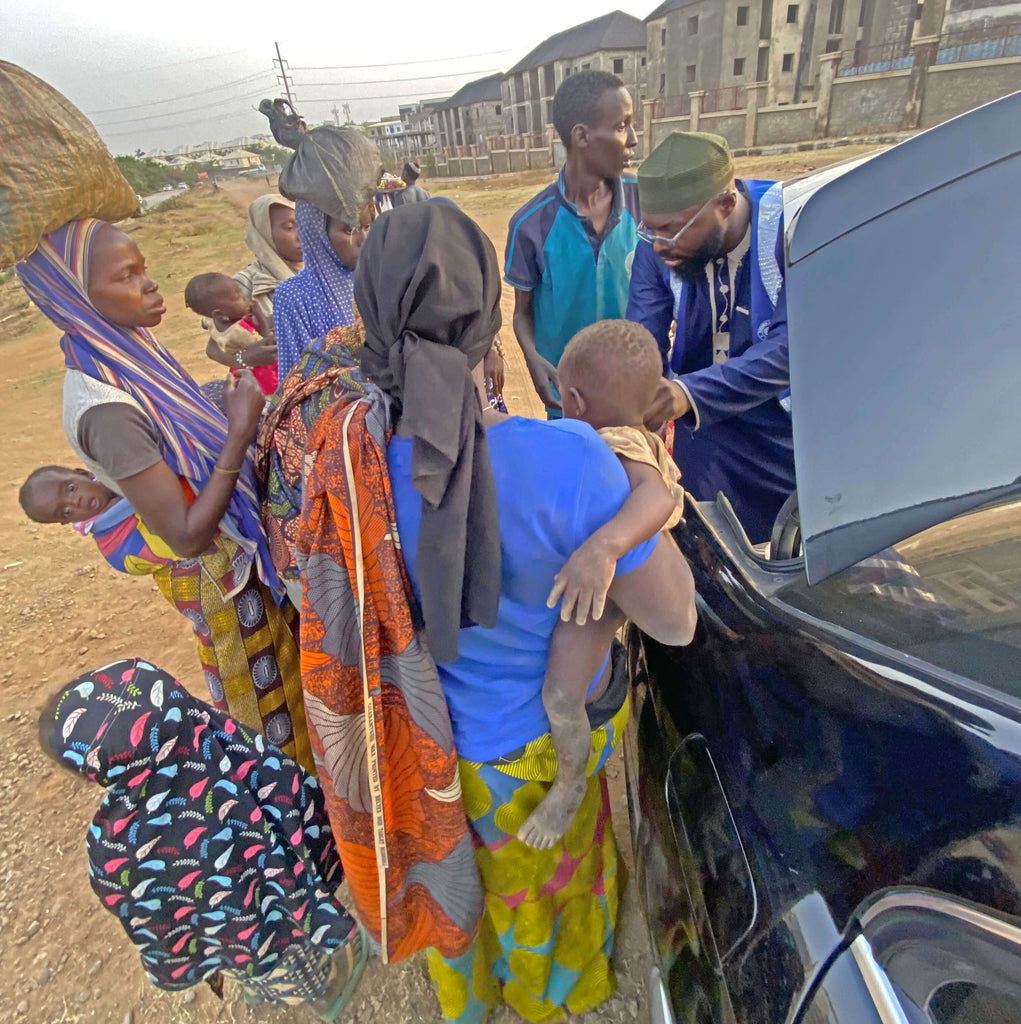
(271, 155)
(146, 175)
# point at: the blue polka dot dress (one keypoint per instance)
(317, 299)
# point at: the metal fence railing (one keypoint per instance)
(673, 106)
(980, 44)
(869, 60)
(953, 48)
(731, 97)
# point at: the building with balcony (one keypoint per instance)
(388, 135)
(420, 124)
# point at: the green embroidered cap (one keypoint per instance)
(684, 170)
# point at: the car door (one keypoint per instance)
(801, 757)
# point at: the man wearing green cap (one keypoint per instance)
(711, 259)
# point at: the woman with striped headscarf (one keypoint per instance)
(144, 428)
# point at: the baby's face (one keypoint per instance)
(68, 496)
(233, 304)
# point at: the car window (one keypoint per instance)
(950, 595)
(699, 806)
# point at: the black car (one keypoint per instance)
(825, 786)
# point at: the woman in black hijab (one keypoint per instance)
(448, 535)
(429, 297)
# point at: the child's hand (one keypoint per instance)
(584, 582)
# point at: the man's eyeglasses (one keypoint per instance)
(652, 238)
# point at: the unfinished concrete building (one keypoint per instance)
(615, 43)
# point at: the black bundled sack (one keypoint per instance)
(335, 169)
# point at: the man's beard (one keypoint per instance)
(693, 266)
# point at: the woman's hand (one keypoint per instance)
(243, 403)
(493, 368)
(262, 353)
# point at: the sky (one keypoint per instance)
(162, 75)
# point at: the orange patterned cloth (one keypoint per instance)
(327, 369)
(377, 717)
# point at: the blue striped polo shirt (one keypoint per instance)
(577, 277)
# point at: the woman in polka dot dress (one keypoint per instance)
(333, 178)
(321, 297)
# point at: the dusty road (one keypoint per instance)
(64, 960)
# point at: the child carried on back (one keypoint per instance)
(608, 377)
(232, 323)
(57, 494)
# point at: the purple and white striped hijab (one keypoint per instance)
(192, 430)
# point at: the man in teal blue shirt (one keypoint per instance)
(569, 249)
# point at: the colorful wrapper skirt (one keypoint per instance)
(248, 648)
(547, 932)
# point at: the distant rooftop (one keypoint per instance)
(482, 90)
(667, 6)
(616, 31)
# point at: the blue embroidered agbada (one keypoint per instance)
(737, 439)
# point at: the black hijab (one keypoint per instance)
(428, 290)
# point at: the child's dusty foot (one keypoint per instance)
(546, 825)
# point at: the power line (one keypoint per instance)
(369, 99)
(335, 85)
(188, 110)
(405, 63)
(182, 124)
(387, 81)
(183, 96)
(181, 63)
(234, 113)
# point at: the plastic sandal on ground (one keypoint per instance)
(355, 960)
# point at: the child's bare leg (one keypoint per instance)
(576, 653)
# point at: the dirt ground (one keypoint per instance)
(63, 610)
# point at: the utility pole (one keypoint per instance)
(347, 113)
(335, 111)
(283, 76)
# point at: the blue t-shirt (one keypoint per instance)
(556, 484)
(576, 276)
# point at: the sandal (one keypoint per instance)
(355, 965)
